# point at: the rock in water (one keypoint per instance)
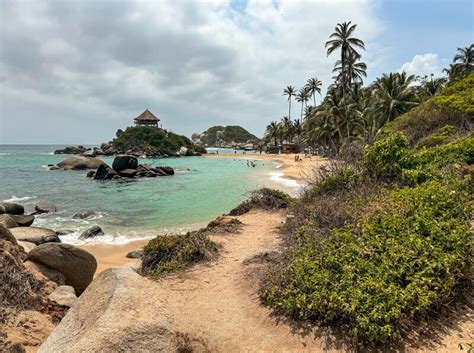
(83, 214)
(92, 232)
(77, 265)
(128, 173)
(35, 235)
(64, 295)
(23, 220)
(80, 163)
(121, 311)
(104, 172)
(11, 208)
(45, 207)
(183, 151)
(7, 221)
(122, 162)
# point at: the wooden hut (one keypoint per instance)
(147, 118)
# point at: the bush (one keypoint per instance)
(344, 178)
(165, 254)
(441, 136)
(388, 156)
(405, 256)
(265, 198)
(453, 106)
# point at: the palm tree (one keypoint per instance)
(290, 92)
(342, 39)
(353, 72)
(430, 88)
(273, 131)
(287, 128)
(302, 97)
(465, 59)
(393, 96)
(313, 85)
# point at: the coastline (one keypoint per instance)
(297, 172)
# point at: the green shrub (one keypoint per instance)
(344, 178)
(453, 106)
(265, 198)
(170, 253)
(388, 156)
(439, 137)
(405, 256)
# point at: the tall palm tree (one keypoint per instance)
(465, 58)
(342, 39)
(302, 97)
(290, 92)
(353, 72)
(313, 86)
(287, 128)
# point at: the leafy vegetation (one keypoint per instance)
(265, 198)
(225, 134)
(379, 240)
(150, 139)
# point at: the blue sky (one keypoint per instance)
(76, 71)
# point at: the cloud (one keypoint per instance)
(423, 64)
(76, 71)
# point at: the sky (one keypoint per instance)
(73, 72)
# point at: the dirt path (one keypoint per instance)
(218, 303)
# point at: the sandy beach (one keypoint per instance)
(114, 255)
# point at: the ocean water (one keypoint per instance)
(202, 189)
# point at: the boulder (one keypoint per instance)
(128, 173)
(7, 221)
(90, 173)
(183, 151)
(104, 172)
(89, 153)
(11, 208)
(26, 245)
(168, 170)
(135, 254)
(120, 311)
(23, 220)
(122, 162)
(64, 231)
(77, 265)
(159, 171)
(83, 214)
(64, 295)
(80, 163)
(92, 232)
(7, 235)
(45, 274)
(45, 207)
(35, 235)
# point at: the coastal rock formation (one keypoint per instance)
(26, 245)
(11, 208)
(77, 265)
(71, 150)
(7, 221)
(119, 312)
(64, 295)
(226, 137)
(104, 172)
(80, 163)
(122, 162)
(92, 232)
(36, 235)
(45, 207)
(23, 220)
(135, 254)
(5, 234)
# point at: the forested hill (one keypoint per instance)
(224, 136)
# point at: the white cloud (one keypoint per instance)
(423, 64)
(96, 65)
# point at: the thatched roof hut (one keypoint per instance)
(147, 118)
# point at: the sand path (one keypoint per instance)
(218, 302)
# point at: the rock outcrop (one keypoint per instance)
(122, 162)
(119, 312)
(11, 208)
(77, 265)
(64, 295)
(36, 235)
(7, 221)
(45, 207)
(92, 232)
(23, 220)
(80, 163)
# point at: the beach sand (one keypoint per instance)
(114, 255)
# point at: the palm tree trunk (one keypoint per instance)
(289, 108)
(314, 98)
(302, 110)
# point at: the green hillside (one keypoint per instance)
(218, 135)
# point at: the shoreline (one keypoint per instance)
(290, 173)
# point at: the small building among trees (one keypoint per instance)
(147, 118)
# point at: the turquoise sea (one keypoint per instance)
(202, 189)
